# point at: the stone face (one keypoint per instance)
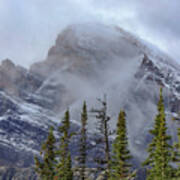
(16, 80)
(19, 135)
(80, 48)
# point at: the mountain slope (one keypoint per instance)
(86, 61)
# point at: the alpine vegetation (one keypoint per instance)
(115, 160)
(121, 168)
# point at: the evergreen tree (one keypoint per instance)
(64, 165)
(154, 132)
(162, 168)
(121, 168)
(176, 157)
(103, 156)
(160, 155)
(45, 168)
(83, 143)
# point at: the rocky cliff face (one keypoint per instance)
(85, 62)
(17, 80)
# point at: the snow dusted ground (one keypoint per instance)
(23, 123)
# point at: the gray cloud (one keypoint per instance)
(161, 22)
(29, 28)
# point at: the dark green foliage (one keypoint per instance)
(121, 168)
(56, 162)
(154, 132)
(83, 143)
(176, 156)
(64, 165)
(46, 168)
(160, 151)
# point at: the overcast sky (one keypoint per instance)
(29, 28)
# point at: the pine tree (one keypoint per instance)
(121, 168)
(162, 168)
(83, 143)
(45, 168)
(176, 157)
(64, 165)
(103, 159)
(154, 132)
(159, 150)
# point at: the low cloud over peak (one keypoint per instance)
(29, 28)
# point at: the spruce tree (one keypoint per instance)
(45, 168)
(83, 142)
(64, 165)
(160, 155)
(162, 169)
(121, 167)
(176, 156)
(154, 132)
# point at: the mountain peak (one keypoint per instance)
(84, 36)
(86, 45)
(7, 64)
